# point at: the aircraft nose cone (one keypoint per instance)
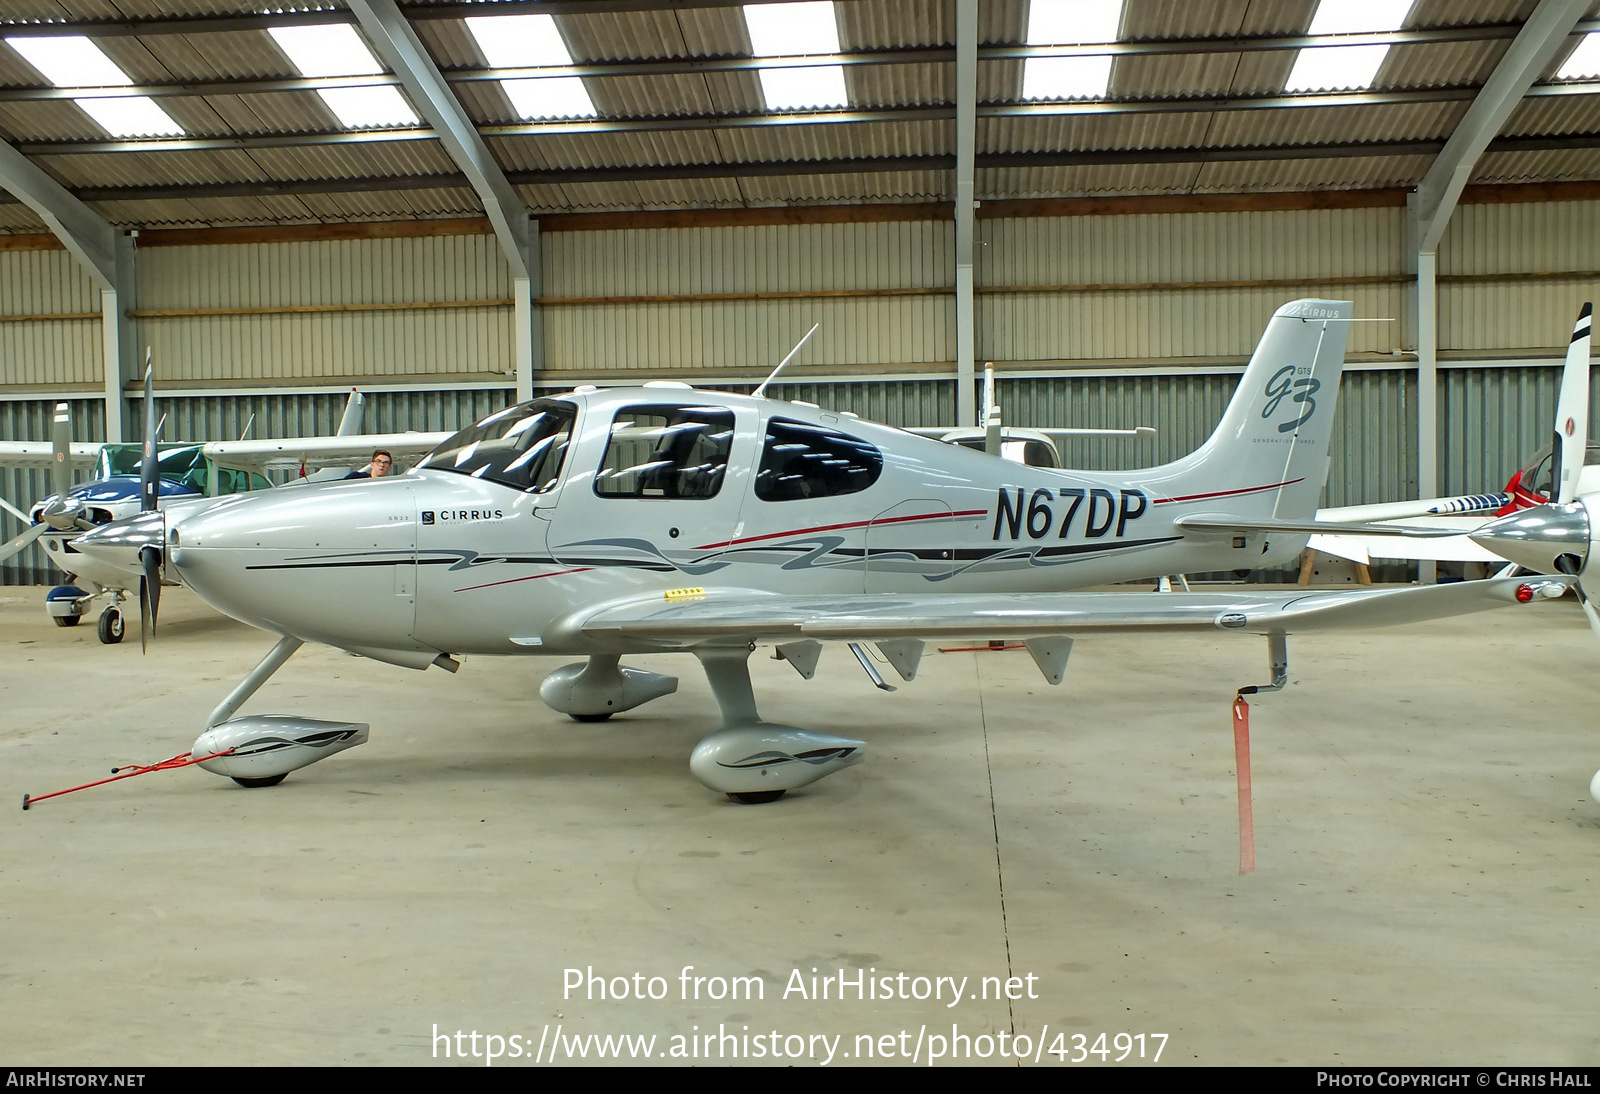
(121, 541)
(1539, 537)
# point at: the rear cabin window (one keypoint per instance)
(666, 452)
(800, 460)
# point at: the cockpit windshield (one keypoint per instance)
(522, 446)
(1535, 477)
(175, 461)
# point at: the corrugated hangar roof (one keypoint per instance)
(1196, 104)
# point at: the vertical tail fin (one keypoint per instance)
(1268, 457)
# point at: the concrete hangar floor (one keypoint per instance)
(1425, 892)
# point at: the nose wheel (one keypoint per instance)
(111, 627)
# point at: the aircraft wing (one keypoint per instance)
(682, 621)
(317, 452)
(1484, 505)
(41, 454)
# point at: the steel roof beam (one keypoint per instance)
(400, 48)
(1535, 48)
(690, 123)
(91, 240)
(193, 89)
(689, 66)
(104, 253)
(779, 168)
(211, 24)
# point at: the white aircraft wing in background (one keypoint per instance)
(314, 453)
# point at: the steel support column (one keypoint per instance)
(966, 158)
(528, 318)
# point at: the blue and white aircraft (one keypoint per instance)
(184, 474)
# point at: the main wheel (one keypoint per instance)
(66, 620)
(758, 797)
(256, 784)
(111, 626)
(590, 717)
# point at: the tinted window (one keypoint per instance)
(809, 461)
(522, 446)
(666, 452)
(175, 461)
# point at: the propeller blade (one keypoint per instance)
(61, 513)
(1572, 413)
(150, 563)
(61, 452)
(144, 614)
(149, 466)
(14, 511)
(355, 409)
(16, 546)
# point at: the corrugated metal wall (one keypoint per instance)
(48, 351)
(1174, 248)
(866, 330)
(1530, 242)
(409, 342)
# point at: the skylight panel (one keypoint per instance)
(781, 30)
(70, 62)
(1070, 22)
(1584, 64)
(131, 116)
(337, 50)
(77, 62)
(1335, 68)
(523, 41)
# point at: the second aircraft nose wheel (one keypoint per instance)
(110, 626)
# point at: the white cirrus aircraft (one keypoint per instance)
(599, 524)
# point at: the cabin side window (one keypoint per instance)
(800, 460)
(666, 452)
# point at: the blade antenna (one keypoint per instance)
(757, 393)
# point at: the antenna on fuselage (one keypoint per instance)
(989, 414)
(757, 392)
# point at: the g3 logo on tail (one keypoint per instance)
(1285, 384)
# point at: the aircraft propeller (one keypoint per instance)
(1561, 535)
(60, 513)
(150, 556)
